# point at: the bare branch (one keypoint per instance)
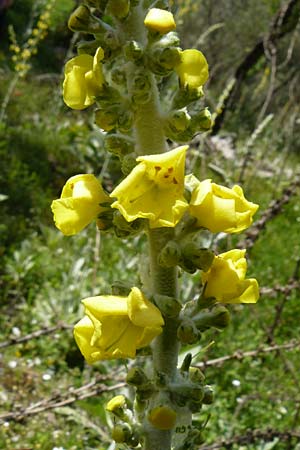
(96, 387)
(35, 334)
(240, 355)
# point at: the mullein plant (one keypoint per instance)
(131, 53)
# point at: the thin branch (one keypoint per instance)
(240, 355)
(285, 21)
(35, 334)
(88, 390)
(252, 436)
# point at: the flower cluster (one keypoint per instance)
(22, 55)
(155, 191)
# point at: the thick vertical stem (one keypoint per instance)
(150, 139)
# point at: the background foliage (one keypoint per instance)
(44, 275)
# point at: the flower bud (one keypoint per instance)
(169, 255)
(120, 289)
(185, 366)
(141, 89)
(196, 375)
(162, 417)
(128, 163)
(121, 433)
(159, 20)
(117, 406)
(83, 20)
(217, 317)
(93, 3)
(118, 144)
(202, 121)
(125, 122)
(133, 51)
(183, 392)
(208, 395)
(118, 8)
(106, 119)
(185, 96)
(202, 258)
(118, 76)
(137, 377)
(169, 306)
(162, 61)
(88, 47)
(123, 228)
(187, 332)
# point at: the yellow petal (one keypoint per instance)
(159, 20)
(154, 189)
(75, 90)
(106, 305)
(83, 332)
(192, 69)
(141, 311)
(71, 215)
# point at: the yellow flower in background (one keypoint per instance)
(192, 69)
(219, 208)
(83, 80)
(154, 189)
(226, 279)
(79, 203)
(115, 326)
(159, 20)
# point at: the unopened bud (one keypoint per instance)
(88, 47)
(83, 20)
(185, 366)
(169, 255)
(187, 332)
(162, 417)
(202, 258)
(162, 61)
(137, 377)
(217, 317)
(119, 8)
(125, 121)
(169, 306)
(202, 121)
(121, 433)
(123, 228)
(186, 95)
(141, 89)
(106, 119)
(117, 406)
(118, 144)
(128, 163)
(118, 76)
(196, 375)
(133, 51)
(208, 395)
(159, 20)
(120, 288)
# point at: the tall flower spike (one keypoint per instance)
(83, 80)
(192, 69)
(219, 208)
(115, 327)
(226, 281)
(154, 189)
(79, 203)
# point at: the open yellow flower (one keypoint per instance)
(219, 208)
(154, 189)
(192, 69)
(83, 80)
(160, 20)
(79, 203)
(226, 279)
(115, 327)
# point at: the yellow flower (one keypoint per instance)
(226, 279)
(159, 20)
(154, 189)
(78, 204)
(83, 80)
(219, 208)
(115, 327)
(192, 69)
(162, 417)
